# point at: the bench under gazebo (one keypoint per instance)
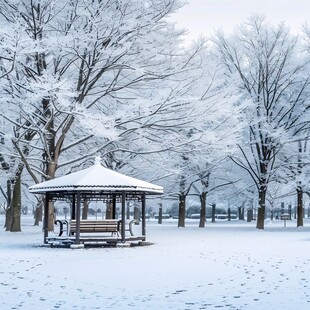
(96, 183)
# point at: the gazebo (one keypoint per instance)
(95, 183)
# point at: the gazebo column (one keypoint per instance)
(78, 217)
(123, 215)
(114, 206)
(143, 217)
(45, 228)
(73, 207)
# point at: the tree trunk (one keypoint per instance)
(249, 215)
(160, 215)
(261, 210)
(109, 210)
(85, 210)
(36, 217)
(51, 216)
(8, 217)
(136, 213)
(16, 203)
(213, 213)
(38, 213)
(229, 214)
(282, 208)
(51, 170)
(181, 220)
(241, 213)
(300, 220)
(203, 198)
(128, 212)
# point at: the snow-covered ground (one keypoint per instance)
(227, 265)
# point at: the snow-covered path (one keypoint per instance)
(224, 266)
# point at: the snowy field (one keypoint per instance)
(224, 266)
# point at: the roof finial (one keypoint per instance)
(98, 160)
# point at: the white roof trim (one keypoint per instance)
(96, 178)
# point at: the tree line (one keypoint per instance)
(225, 118)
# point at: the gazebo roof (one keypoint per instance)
(96, 178)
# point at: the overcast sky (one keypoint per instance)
(205, 16)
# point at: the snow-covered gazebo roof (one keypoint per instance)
(96, 178)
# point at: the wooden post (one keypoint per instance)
(73, 207)
(114, 206)
(143, 217)
(123, 215)
(78, 217)
(45, 224)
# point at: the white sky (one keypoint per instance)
(206, 16)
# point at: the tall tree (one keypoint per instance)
(83, 68)
(207, 137)
(261, 61)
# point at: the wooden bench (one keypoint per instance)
(96, 226)
(101, 226)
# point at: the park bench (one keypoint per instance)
(89, 230)
(96, 226)
(112, 226)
